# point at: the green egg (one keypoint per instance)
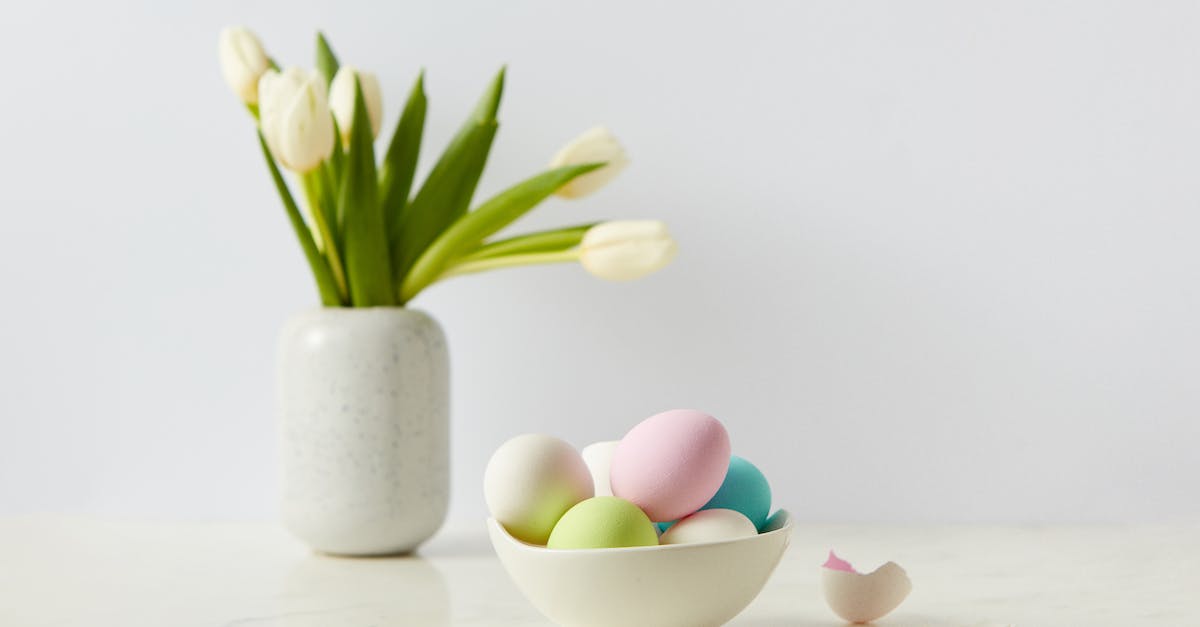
(603, 522)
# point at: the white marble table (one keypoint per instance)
(57, 571)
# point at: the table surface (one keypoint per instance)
(99, 572)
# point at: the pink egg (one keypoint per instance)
(671, 464)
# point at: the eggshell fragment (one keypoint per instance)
(598, 457)
(671, 464)
(530, 481)
(709, 525)
(833, 562)
(862, 598)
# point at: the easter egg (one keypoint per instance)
(671, 464)
(530, 481)
(598, 457)
(603, 522)
(774, 521)
(744, 490)
(709, 525)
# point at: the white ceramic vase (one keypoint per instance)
(364, 407)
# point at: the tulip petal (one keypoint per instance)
(597, 145)
(624, 250)
(243, 62)
(294, 117)
(342, 90)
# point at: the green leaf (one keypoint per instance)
(327, 62)
(320, 269)
(493, 215)
(489, 103)
(400, 164)
(447, 191)
(445, 195)
(368, 265)
(539, 242)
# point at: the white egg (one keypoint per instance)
(709, 525)
(530, 481)
(598, 457)
(862, 598)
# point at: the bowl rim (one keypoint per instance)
(786, 527)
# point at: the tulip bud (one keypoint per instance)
(243, 61)
(341, 99)
(295, 119)
(624, 250)
(594, 146)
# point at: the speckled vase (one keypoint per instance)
(364, 407)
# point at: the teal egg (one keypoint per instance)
(775, 521)
(744, 490)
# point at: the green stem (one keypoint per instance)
(329, 182)
(510, 261)
(313, 192)
(539, 242)
(320, 269)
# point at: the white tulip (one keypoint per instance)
(624, 250)
(341, 99)
(243, 61)
(295, 118)
(595, 145)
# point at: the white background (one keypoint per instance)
(938, 260)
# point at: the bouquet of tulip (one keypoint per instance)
(368, 241)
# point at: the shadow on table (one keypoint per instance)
(899, 620)
(786, 621)
(321, 591)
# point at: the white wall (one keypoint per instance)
(938, 261)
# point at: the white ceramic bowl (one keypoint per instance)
(684, 585)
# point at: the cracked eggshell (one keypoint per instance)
(598, 457)
(862, 598)
(531, 481)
